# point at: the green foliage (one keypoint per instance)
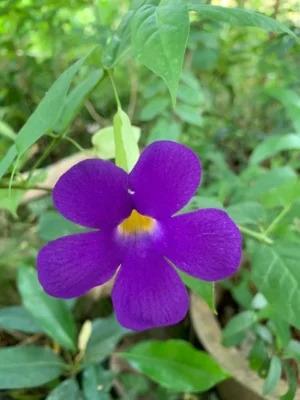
(160, 30)
(51, 314)
(237, 98)
(28, 367)
(67, 390)
(185, 368)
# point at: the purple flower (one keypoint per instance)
(136, 231)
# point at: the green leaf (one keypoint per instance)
(154, 108)
(97, 382)
(10, 200)
(240, 17)
(176, 365)
(120, 42)
(135, 385)
(67, 390)
(293, 350)
(8, 159)
(53, 225)
(106, 333)
(203, 288)
(51, 314)
(104, 143)
(46, 114)
(127, 151)
(270, 180)
(189, 114)
(273, 376)
(291, 102)
(159, 37)
(292, 380)
(164, 130)
(22, 367)
(276, 273)
(258, 355)
(239, 323)
(190, 95)
(246, 213)
(283, 195)
(7, 131)
(76, 99)
(19, 319)
(273, 145)
(282, 331)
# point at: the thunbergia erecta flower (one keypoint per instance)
(137, 235)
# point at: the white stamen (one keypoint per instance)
(130, 191)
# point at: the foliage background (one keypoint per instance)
(238, 107)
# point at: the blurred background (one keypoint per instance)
(239, 95)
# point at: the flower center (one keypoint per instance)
(136, 223)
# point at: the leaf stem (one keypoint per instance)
(114, 89)
(24, 186)
(261, 237)
(276, 221)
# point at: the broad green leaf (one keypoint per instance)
(154, 108)
(23, 367)
(51, 314)
(97, 382)
(164, 130)
(67, 390)
(273, 376)
(46, 114)
(240, 17)
(273, 145)
(246, 213)
(120, 42)
(106, 333)
(6, 161)
(269, 181)
(53, 225)
(76, 99)
(176, 365)
(239, 323)
(160, 31)
(189, 114)
(19, 319)
(292, 380)
(104, 143)
(9, 200)
(127, 151)
(291, 102)
(7, 131)
(202, 288)
(206, 202)
(276, 273)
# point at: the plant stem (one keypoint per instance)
(114, 89)
(261, 237)
(276, 221)
(45, 154)
(24, 186)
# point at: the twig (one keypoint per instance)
(93, 113)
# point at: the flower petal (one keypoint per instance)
(72, 265)
(148, 291)
(94, 194)
(164, 179)
(206, 244)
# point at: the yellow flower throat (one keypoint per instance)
(136, 223)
